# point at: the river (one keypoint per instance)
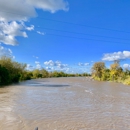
(65, 104)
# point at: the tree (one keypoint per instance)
(114, 66)
(55, 74)
(97, 69)
(44, 73)
(4, 76)
(15, 69)
(106, 75)
(27, 75)
(115, 71)
(36, 73)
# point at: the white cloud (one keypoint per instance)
(37, 62)
(14, 13)
(49, 68)
(41, 33)
(83, 64)
(6, 52)
(56, 64)
(8, 32)
(38, 65)
(86, 64)
(50, 63)
(30, 28)
(21, 10)
(116, 56)
(29, 67)
(126, 66)
(61, 66)
(17, 10)
(49, 5)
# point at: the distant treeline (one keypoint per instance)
(114, 73)
(12, 71)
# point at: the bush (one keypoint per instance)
(4, 76)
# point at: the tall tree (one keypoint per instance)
(115, 71)
(97, 69)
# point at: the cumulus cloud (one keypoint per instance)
(38, 65)
(14, 14)
(83, 64)
(57, 64)
(30, 28)
(50, 62)
(86, 64)
(41, 33)
(6, 52)
(29, 67)
(116, 56)
(49, 5)
(37, 62)
(8, 32)
(61, 66)
(23, 9)
(49, 68)
(126, 66)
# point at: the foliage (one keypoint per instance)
(40, 73)
(44, 73)
(105, 75)
(4, 76)
(127, 81)
(58, 74)
(115, 73)
(97, 69)
(14, 70)
(36, 73)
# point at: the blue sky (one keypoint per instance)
(65, 35)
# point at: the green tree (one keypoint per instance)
(15, 69)
(4, 76)
(106, 75)
(36, 73)
(44, 73)
(55, 74)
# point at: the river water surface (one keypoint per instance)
(65, 104)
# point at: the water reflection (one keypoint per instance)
(65, 104)
(47, 85)
(39, 83)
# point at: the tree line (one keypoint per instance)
(114, 73)
(45, 74)
(12, 71)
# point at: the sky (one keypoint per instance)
(65, 35)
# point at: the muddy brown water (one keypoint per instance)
(65, 104)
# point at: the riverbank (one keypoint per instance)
(115, 73)
(125, 82)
